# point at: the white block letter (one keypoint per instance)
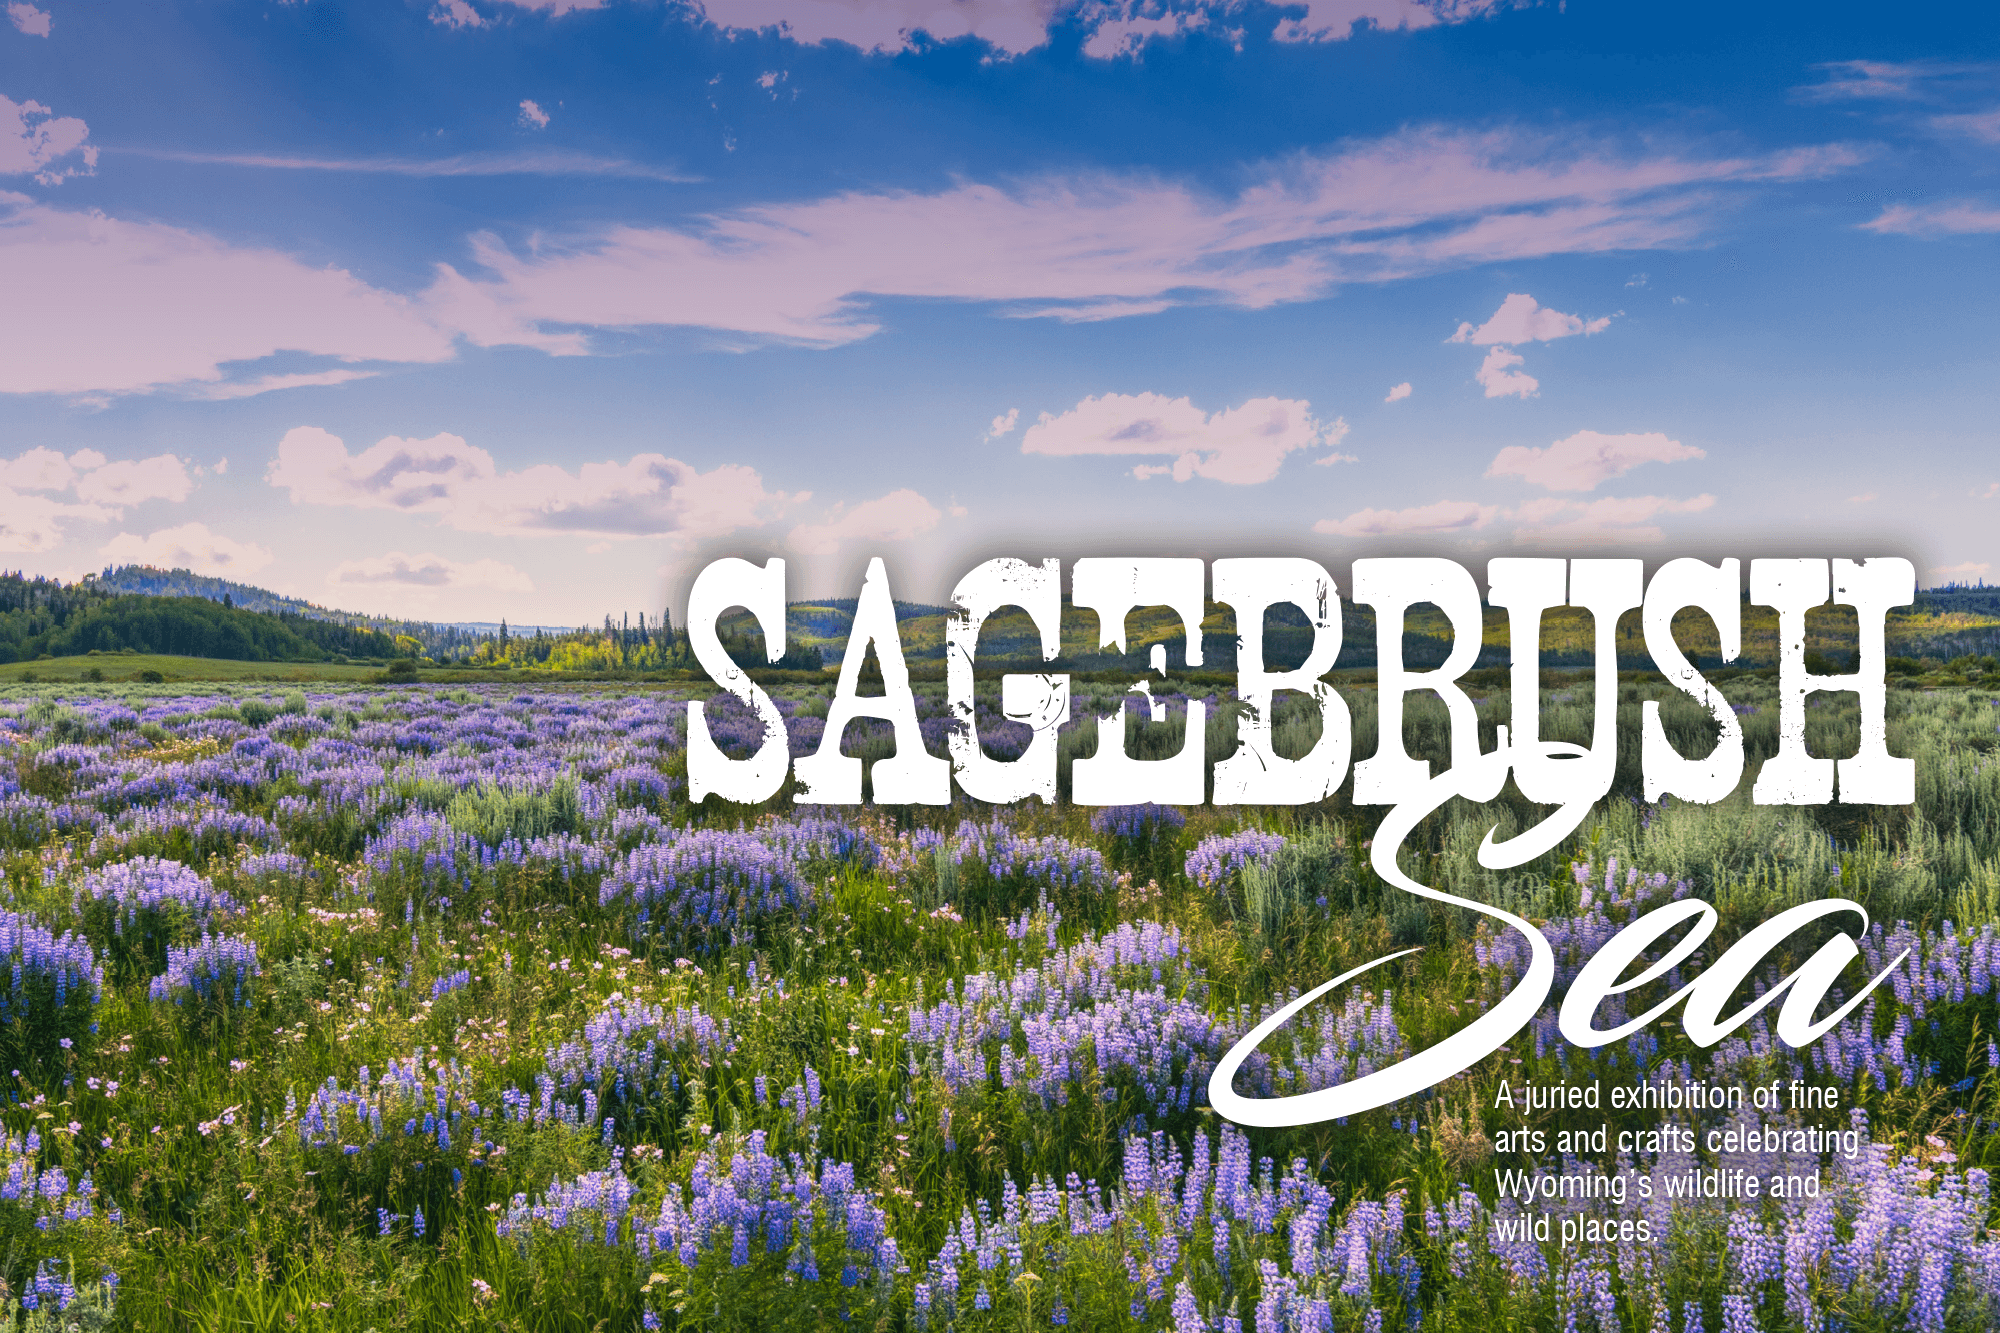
(1680, 583)
(1111, 587)
(1872, 776)
(1392, 587)
(912, 776)
(1042, 702)
(724, 584)
(1255, 774)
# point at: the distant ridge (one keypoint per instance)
(149, 581)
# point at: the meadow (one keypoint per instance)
(420, 1007)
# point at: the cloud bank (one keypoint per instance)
(647, 495)
(190, 546)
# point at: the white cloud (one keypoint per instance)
(1520, 319)
(532, 116)
(1547, 521)
(887, 26)
(1102, 246)
(1638, 280)
(649, 495)
(555, 9)
(33, 21)
(395, 569)
(1126, 31)
(1243, 445)
(1866, 497)
(1442, 518)
(1501, 382)
(1399, 393)
(32, 524)
(1328, 460)
(269, 383)
(35, 523)
(1004, 425)
(1966, 571)
(35, 140)
(1335, 20)
(100, 304)
(897, 516)
(191, 546)
(1614, 519)
(1112, 28)
(1885, 80)
(1959, 218)
(1981, 125)
(39, 469)
(135, 481)
(527, 162)
(456, 14)
(1586, 459)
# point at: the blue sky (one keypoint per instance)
(498, 307)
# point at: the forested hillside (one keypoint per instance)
(46, 617)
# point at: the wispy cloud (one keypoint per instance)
(1105, 246)
(1244, 445)
(1957, 218)
(395, 569)
(1619, 520)
(1441, 518)
(1966, 571)
(1543, 522)
(271, 383)
(1889, 80)
(1587, 459)
(100, 304)
(898, 516)
(1981, 125)
(538, 163)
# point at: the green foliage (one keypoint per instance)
(493, 814)
(38, 617)
(238, 1224)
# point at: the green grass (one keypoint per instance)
(127, 666)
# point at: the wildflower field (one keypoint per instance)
(414, 1008)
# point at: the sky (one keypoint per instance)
(464, 309)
